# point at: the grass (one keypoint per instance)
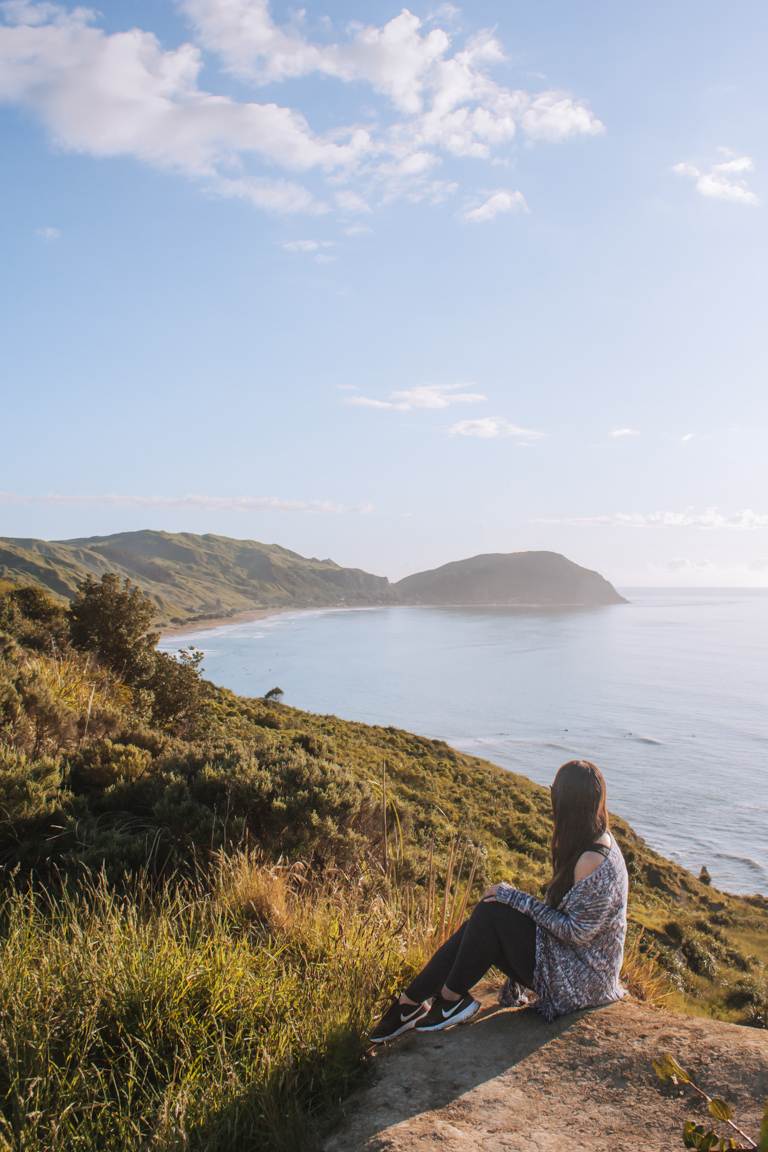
(225, 1012)
(196, 1018)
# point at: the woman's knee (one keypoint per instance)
(483, 910)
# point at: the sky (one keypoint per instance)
(390, 285)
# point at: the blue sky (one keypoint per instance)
(390, 285)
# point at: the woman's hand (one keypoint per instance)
(489, 894)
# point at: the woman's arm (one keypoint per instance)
(579, 925)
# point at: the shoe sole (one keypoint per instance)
(460, 1018)
(399, 1032)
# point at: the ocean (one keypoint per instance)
(668, 694)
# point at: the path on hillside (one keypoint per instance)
(509, 1082)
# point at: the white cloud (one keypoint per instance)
(212, 503)
(306, 245)
(745, 520)
(494, 428)
(48, 233)
(281, 197)
(321, 251)
(425, 396)
(123, 94)
(724, 181)
(498, 203)
(686, 439)
(624, 433)
(554, 116)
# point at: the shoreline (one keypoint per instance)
(207, 623)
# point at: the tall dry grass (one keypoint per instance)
(218, 1014)
(642, 975)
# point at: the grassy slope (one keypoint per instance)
(173, 1013)
(440, 793)
(113, 782)
(190, 576)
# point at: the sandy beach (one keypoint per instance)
(206, 623)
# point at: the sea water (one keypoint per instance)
(668, 694)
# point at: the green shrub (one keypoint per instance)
(113, 618)
(34, 619)
(28, 788)
(698, 956)
(751, 996)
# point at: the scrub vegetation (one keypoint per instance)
(204, 899)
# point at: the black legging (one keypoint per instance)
(495, 936)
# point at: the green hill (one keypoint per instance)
(190, 577)
(509, 580)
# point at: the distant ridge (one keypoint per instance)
(191, 577)
(514, 579)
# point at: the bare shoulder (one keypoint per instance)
(586, 864)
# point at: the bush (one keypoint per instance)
(101, 765)
(698, 956)
(33, 618)
(752, 997)
(114, 620)
(28, 788)
(175, 685)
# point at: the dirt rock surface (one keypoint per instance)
(509, 1082)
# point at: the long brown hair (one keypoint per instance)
(581, 817)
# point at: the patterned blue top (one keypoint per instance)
(579, 944)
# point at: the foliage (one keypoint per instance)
(704, 1137)
(175, 685)
(33, 618)
(29, 789)
(113, 618)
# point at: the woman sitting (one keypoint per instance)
(568, 948)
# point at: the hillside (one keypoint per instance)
(509, 1083)
(191, 577)
(205, 859)
(310, 786)
(518, 578)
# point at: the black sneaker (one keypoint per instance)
(446, 1013)
(397, 1019)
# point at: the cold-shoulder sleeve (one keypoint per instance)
(586, 914)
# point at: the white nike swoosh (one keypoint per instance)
(451, 1011)
(405, 1016)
